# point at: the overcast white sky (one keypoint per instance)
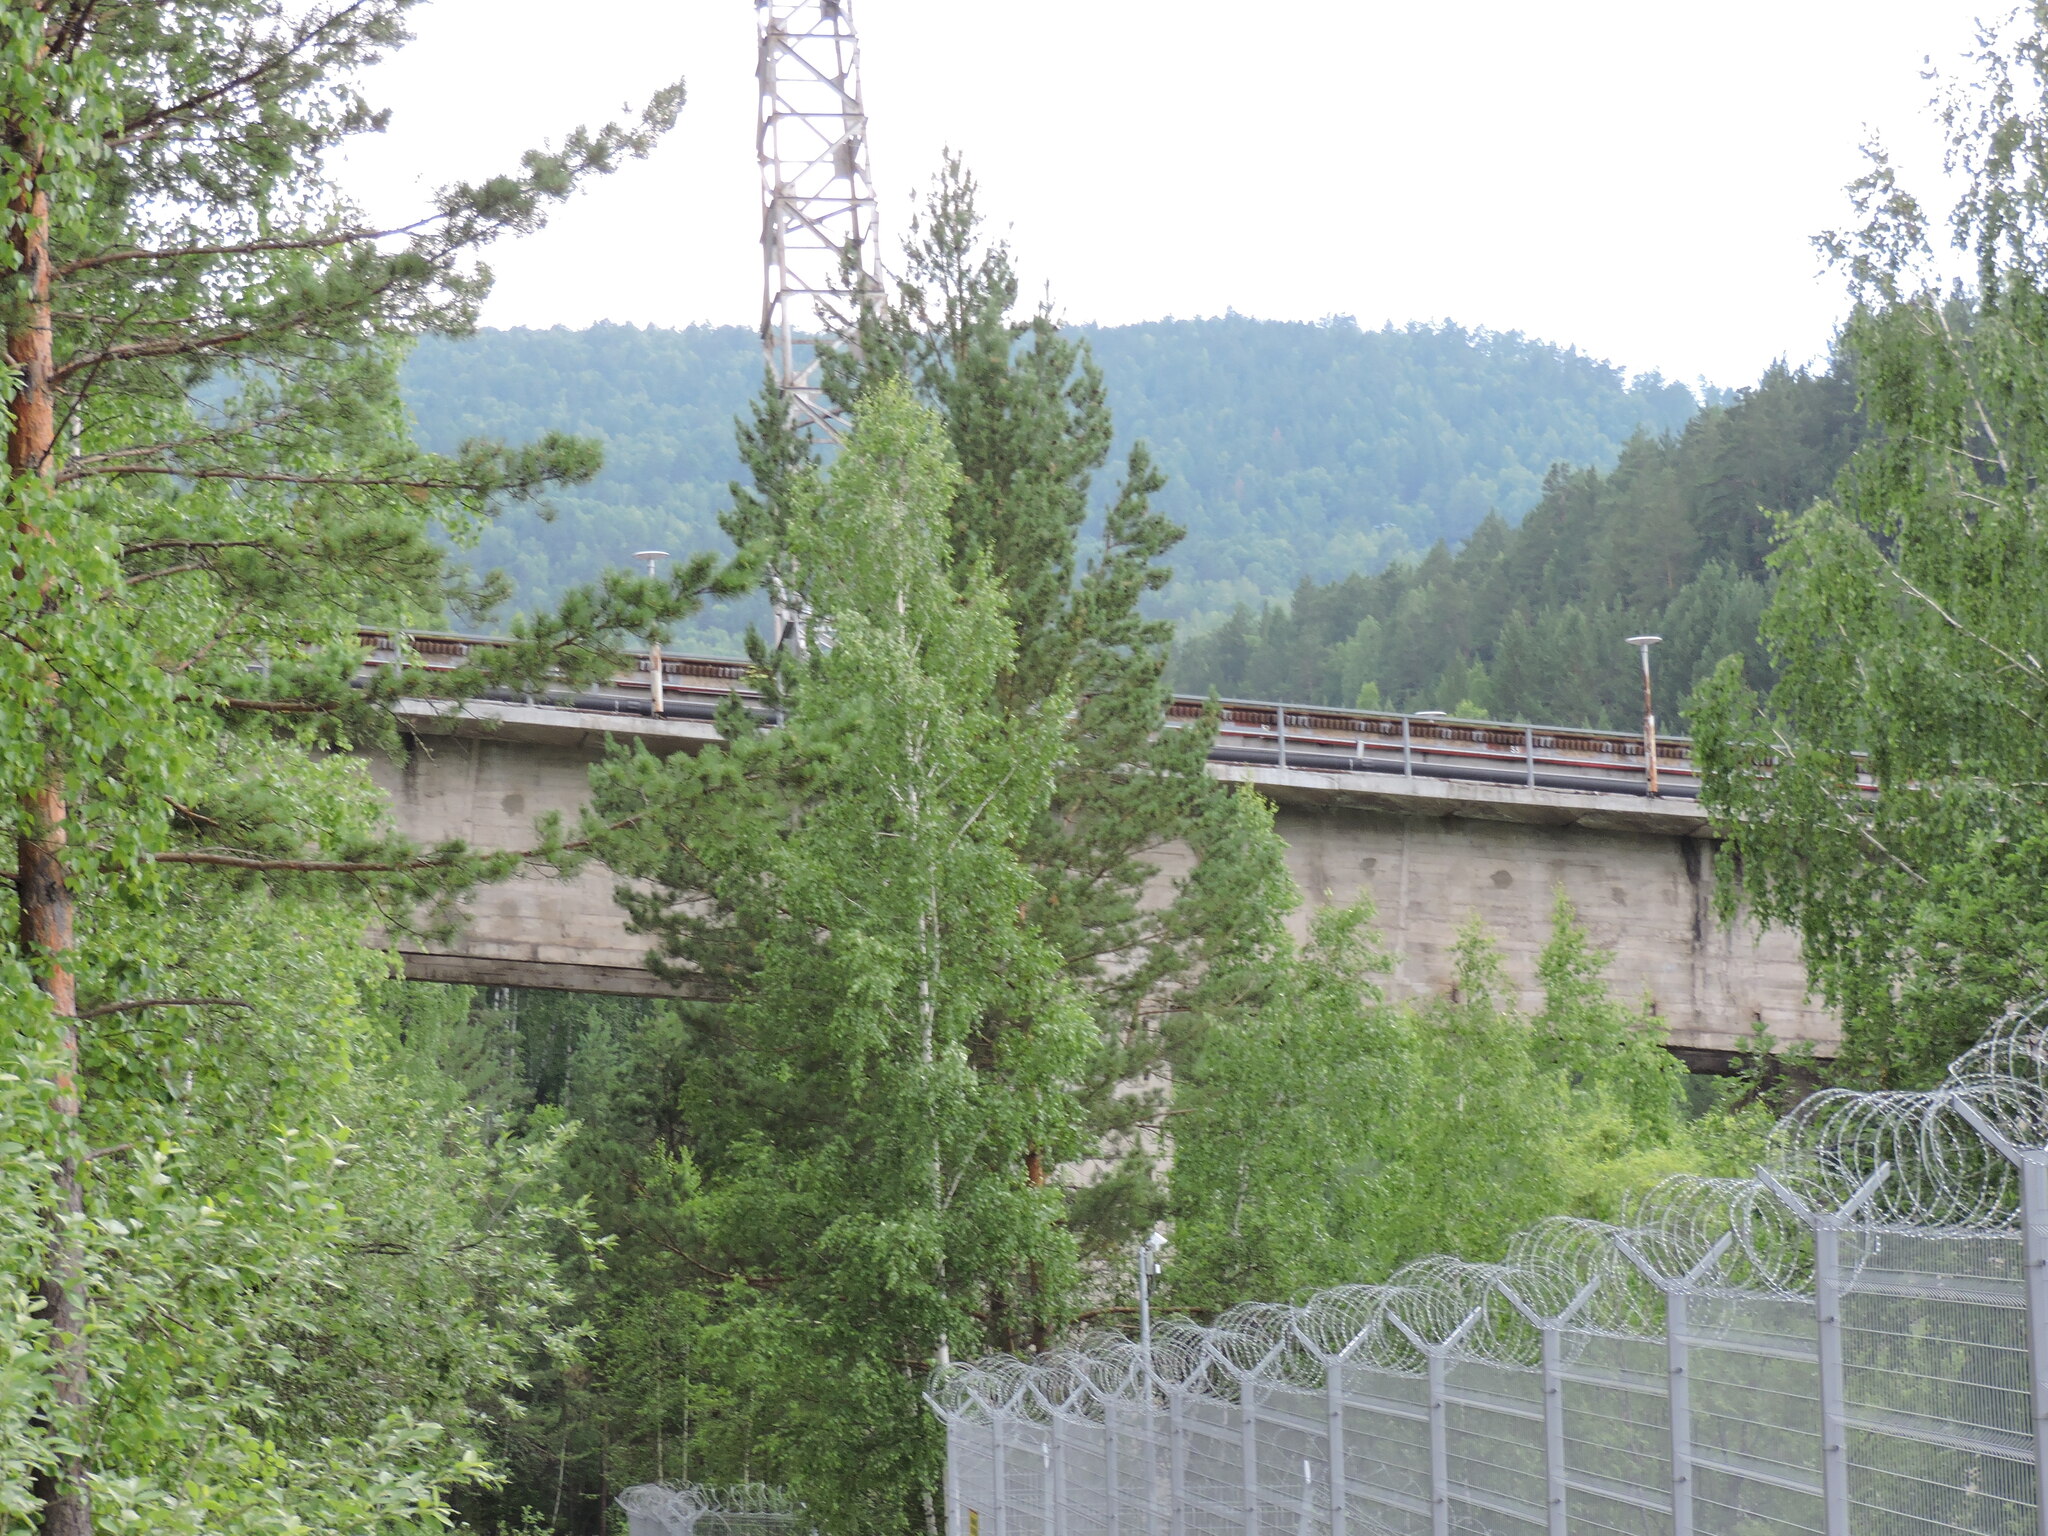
(1639, 178)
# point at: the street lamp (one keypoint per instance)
(656, 704)
(1643, 644)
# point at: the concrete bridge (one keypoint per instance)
(1433, 819)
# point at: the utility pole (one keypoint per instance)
(1643, 644)
(818, 217)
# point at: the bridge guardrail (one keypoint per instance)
(1312, 738)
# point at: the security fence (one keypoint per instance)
(695, 1509)
(1852, 1341)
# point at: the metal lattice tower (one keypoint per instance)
(818, 227)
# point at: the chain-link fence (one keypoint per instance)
(695, 1509)
(1852, 1341)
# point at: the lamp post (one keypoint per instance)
(656, 704)
(1148, 1266)
(1176, 1434)
(1643, 644)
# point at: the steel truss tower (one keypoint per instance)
(818, 227)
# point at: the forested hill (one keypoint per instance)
(1295, 451)
(1529, 622)
(1312, 451)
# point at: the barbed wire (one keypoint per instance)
(1940, 1162)
(683, 1509)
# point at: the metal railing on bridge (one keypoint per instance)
(1852, 1343)
(1309, 738)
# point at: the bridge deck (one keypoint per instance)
(1314, 738)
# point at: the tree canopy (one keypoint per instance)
(1907, 624)
(214, 1294)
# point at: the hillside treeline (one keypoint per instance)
(1291, 451)
(1528, 622)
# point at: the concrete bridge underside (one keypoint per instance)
(1429, 853)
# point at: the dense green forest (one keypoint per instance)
(1291, 451)
(1527, 622)
(290, 1245)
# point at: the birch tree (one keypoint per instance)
(1907, 620)
(901, 1038)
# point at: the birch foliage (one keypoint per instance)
(899, 1038)
(1907, 620)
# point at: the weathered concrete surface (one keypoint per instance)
(487, 783)
(1428, 853)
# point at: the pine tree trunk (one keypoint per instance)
(44, 896)
(46, 937)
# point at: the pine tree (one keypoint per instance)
(1028, 418)
(210, 485)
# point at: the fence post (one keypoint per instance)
(1056, 1477)
(1248, 1454)
(1280, 730)
(1834, 1424)
(1678, 1389)
(1553, 1433)
(1438, 1358)
(1333, 1388)
(1407, 749)
(1529, 749)
(2032, 1163)
(998, 1496)
(1439, 1450)
(1111, 1473)
(1176, 1471)
(2034, 1255)
(1827, 1308)
(956, 1522)
(1551, 1331)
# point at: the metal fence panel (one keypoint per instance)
(1853, 1343)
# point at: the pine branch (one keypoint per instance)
(277, 477)
(134, 1005)
(352, 236)
(172, 346)
(153, 545)
(158, 116)
(302, 866)
(373, 867)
